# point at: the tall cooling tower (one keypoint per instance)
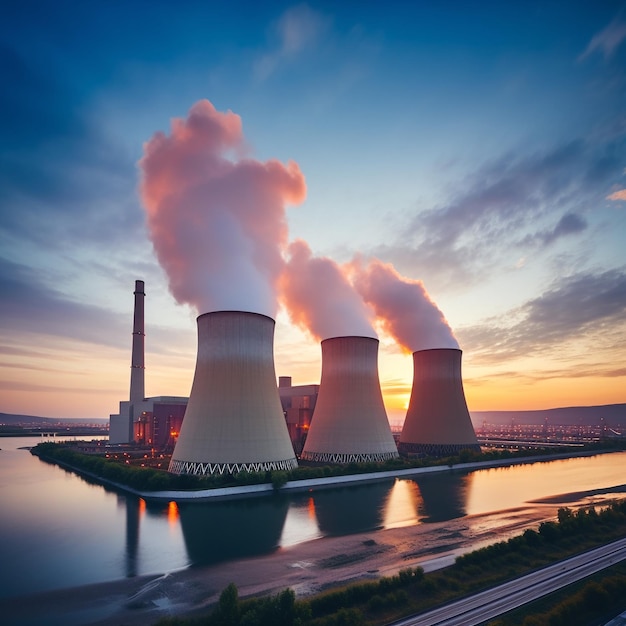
(349, 422)
(437, 421)
(234, 420)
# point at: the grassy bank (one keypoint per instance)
(122, 470)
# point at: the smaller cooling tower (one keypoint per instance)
(437, 421)
(349, 422)
(234, 420)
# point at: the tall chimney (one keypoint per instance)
(137, 368)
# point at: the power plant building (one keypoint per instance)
(149, 421)
(298, 402)
(234, 420)
(350, 422)
(437, 421)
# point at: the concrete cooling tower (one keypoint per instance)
(437, 421)
(234, 420)
(349, 422)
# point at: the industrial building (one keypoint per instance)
(437, 421)
(150, 421)
(234, 420)
(298, 404)
(350, 422)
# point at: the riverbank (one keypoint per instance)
(312, 484)
(307, 568)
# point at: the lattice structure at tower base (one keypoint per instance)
(435, 449)
(336, 457)
(211, 469)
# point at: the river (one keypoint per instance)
(58, 530)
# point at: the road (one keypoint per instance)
(488, 604)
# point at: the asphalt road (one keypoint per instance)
(488, 604)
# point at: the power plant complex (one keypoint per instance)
(237, 418)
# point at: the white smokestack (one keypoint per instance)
(349, 423)
(234, 419)
(137, 366)
(437, 421)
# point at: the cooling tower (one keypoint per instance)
(349, 422)
(234, 420)
(437, 421)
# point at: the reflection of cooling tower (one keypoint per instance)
(444, 496)
(437, 421)
(349, 422)
(234, 420)
(221, 531)
(351, 510)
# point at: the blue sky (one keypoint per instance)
(479, 147)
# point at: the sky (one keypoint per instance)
(477, 151)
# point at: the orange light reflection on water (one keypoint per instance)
(403, 504)
(172, 513)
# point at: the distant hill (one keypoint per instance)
(613, 415)
(12, 419)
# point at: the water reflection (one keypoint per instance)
(403, 504)
(443, 496)
(133, 519)
(352, 509)
(218, 531)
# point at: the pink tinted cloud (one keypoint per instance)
(217, 220)
(620, 194)
(402, 306)
(319, 297)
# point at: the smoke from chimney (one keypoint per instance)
(319, 297)
(402, 306)
(217, 219)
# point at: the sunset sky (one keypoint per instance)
(477, 147)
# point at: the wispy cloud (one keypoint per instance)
(607, 40)
(578, 307)
(512, 203)
(620, 194)
(297, 30)
(27, 305)
(61, 179)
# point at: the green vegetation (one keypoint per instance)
(122, 470)
(412, 591)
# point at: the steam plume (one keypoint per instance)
(403, 307)
(319, 297)
(216, 219)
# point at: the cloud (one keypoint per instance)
(569, 224)
(620, 194)
(574, 308)
(60, 178)
(319, 297)
(607, 40)
(28, 306)
(296, 30)
(500, 208)
(217, 221)
(402, 306)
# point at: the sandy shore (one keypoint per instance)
(307, 568)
